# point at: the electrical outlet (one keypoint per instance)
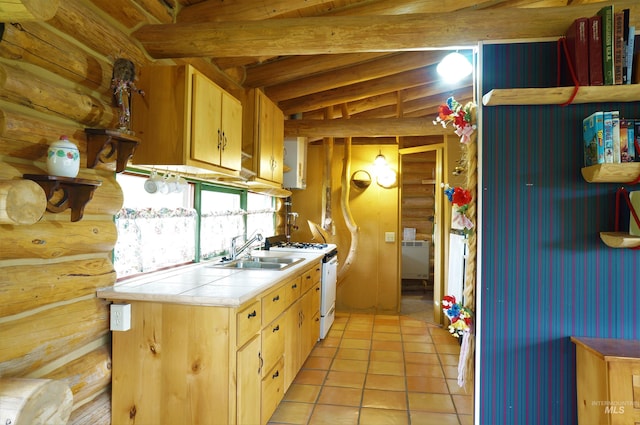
(389, 236)
(120, 317)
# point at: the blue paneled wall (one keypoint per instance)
(545, 273)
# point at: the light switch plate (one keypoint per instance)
(389, 236)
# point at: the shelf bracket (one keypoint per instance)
(65, 192)
(106, 145)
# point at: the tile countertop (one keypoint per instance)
(202, 284)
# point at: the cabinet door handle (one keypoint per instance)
(276, 298)
(252, 314)
(277, 328)
(224, 141)
(261, 363)
(317, 289)
(275, 375)
(294, 286)
(219, 139)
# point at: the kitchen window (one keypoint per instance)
(158, 231)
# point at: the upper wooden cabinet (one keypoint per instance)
(264, 136)
(191, 124)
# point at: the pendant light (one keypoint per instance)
(454, 67)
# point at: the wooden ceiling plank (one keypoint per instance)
(28, 10)
(359, 91)
(350, 34)
(295, 67)
(390, 127)
(229, 10)
(383, 67)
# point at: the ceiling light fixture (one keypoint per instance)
(454, 67)
(380, 160)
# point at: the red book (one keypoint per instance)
(596, 78)
(578, 47)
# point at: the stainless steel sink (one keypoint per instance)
(265, 263)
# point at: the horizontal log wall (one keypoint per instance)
(55, 78)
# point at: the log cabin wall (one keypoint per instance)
(56, 78)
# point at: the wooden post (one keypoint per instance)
(21, 202)
(34, 401)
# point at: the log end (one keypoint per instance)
(35, 401)
(21, 202)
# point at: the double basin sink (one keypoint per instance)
(265, 263)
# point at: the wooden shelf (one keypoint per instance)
(106, 145)
(73, 193)
(620, 240)
(560, 95)
(612, 173)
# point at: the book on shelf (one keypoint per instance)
(577, 40)
(607, 136)
(615, 132)
(592, 131)
(630, 50)
(595, 51)
(634, 197)
(625, 45)
(631, 137)
(618, 46)
(624, 140)
(608, 65)
(636, 140)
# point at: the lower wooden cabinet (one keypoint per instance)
(607, 381)
(183, 364)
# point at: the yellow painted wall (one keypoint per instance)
(372, 283)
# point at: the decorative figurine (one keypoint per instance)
(122, 83)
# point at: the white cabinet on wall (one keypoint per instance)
(295, 161)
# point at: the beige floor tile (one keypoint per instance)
(382, 336)
(381, 319)
(428, 402)
(448, 348)
(423, 384)
(428, 418)
(362, 344)
(417, 338)
(463, 403)
(347, 365)
(329, 342)
(292, 413)
(411, 322)
(449, 359)
(340, 396)
(345, 379)
(352, 353)
(386, 368)
(385, 382)
(419, 347)
(428, 370)
(454, 388)
(359, 327)
(465, 419)
(324, 351)
(386, 328)
(302, 393)
(387, 356)
(322, 363)
(370, 416)
(450, 372)
(334, 415)
(383, 399)
(386, 345)
(421, 358)
(335, 333)
(310, 377)
(357, 334)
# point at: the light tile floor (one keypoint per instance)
(378, 369)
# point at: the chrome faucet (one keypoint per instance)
(235, 251)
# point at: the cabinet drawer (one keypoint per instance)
(272, 344)
(272, 390)
(274, 303)
(311, 277)
(248, 322)
(293, 288)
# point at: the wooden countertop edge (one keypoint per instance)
(610, 349)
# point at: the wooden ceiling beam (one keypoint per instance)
(388, 127)
(28, 10)
(359, 91)
(295, 67)
(352, 34)
(220, 11)
(389, 65)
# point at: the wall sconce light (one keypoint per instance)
(361, 179)
(454, 67)
(387, 177)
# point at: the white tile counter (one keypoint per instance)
(202, 284)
